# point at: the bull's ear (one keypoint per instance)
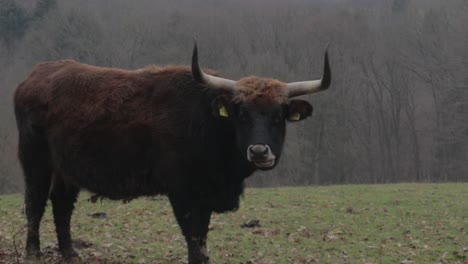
(221, 108)
(298, 110)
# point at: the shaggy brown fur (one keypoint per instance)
(254, 89)
(123, 134)
(128, 133)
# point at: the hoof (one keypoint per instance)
(70, 255)
(33, 256)
(202, 260)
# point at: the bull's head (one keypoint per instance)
(258, 109)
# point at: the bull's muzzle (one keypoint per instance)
(261, 156)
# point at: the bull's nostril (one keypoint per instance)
(266, 150)
(251, 150)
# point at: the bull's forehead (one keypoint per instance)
(260, 90)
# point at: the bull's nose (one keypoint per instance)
(261, 156)
(258, 151)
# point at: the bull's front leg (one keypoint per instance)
(194, 221)
(197, 250)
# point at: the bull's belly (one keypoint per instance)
(120, 186)
(112, 175)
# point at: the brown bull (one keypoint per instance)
(190, 135)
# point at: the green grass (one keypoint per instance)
(401, 223)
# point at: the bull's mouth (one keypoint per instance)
(265, 164)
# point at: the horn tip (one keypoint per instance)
(326, 78)
(195, 39)
(196, 72)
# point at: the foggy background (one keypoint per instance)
(397, 109)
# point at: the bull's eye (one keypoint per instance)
(243, 117)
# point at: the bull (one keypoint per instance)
(178, 131)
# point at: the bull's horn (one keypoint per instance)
(309, 87)
(209, 80)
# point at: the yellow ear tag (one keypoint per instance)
(223, 111)
(295, 117)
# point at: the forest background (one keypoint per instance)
(396, 111)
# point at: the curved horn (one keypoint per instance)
(309, 87)
(209, 80)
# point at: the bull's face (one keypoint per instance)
(258, 109)
(260, 126)
(260, 132)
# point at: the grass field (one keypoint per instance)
(401, 223)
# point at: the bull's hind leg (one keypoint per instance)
(63, 198)
(34, 158)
